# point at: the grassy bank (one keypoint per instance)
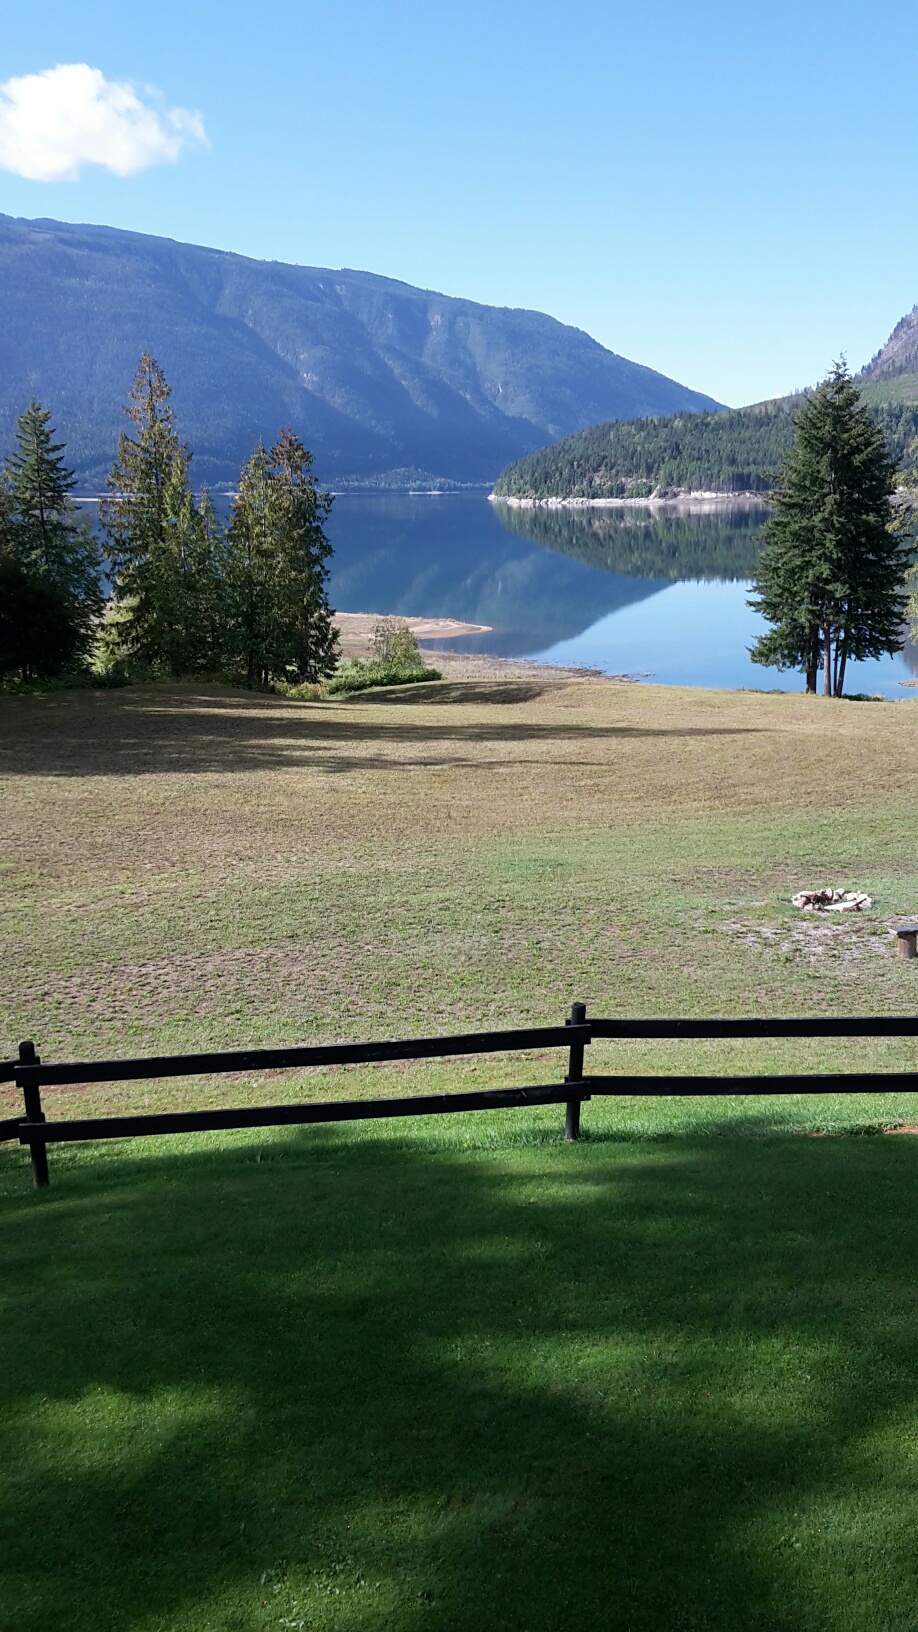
(455, 1374)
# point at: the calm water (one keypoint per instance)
(663, 597)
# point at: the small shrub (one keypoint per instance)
(395, 648)
(359, 676)
(110, 677)
(396, 661)
(301, 691)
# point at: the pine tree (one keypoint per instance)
(276, 569)
(50, 558)
(37, 632)
(830, 577)
(251, 572)
(314, 640)
(160, 543)
(908, 499)
(210, 574)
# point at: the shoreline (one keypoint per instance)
(357, 634)
(485, 666)
(356, 629)
(701, 503)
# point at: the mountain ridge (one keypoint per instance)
(733, 453)
(899, 355)
(374, 374)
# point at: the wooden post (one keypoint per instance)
(34, 1113)
(574, 1075)
(906, 942)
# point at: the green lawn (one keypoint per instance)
(455, 1374)
(337, 1381)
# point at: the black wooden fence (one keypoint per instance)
(31, 1074)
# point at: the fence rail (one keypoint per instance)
(847, 1026)
(277, 1059)
(31, 1074)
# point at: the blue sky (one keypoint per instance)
(722, 191)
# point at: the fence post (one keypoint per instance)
(34, 1113)
(574, 1074)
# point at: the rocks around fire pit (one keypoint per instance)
(832, 900)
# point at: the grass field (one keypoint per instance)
(455, 1374)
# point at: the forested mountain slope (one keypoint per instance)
(899, 356)
(892, 375)
(733, 452)
(374, 375)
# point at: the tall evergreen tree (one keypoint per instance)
(251, 572)
(908, 498)
(38, 636)
(160, 543)
(276, 568)
(830, 577)
(50, 557)
(306, 555)
(211, 611)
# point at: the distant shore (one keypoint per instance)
(700, 503)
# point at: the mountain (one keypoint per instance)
(377, 377)
(892, 375)
(737, 451)
(731, 452)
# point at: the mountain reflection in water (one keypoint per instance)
(535, 577)
(651, 544)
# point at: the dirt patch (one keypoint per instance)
(481, 666)
(815, 940)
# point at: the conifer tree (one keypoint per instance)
(159, 543)
(306, 553)
(50, 559)
(830, 577)
(251, 572)
(908, 499)
(276, 568)
(38, 636)
(210, 575)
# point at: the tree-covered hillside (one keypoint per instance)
(733, 452)
(382, 381)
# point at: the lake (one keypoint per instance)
(661, 597)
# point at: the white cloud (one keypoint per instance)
(53, 123)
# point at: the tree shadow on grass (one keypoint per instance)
(465, 692)
(163, 732)
(330, 1384)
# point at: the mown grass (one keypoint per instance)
(189, 869)
(452, 1373)
(334, 1382)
